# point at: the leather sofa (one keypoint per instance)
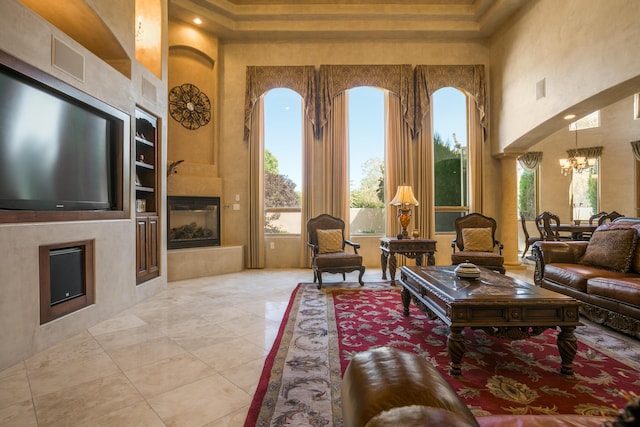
(387, 387)
(603, 273)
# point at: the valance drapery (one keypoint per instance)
(261, 79)
(339, 78)
(635, 147)
(588, 152)
(530, 161)
(469, 78)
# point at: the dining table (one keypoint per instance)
(577, 230)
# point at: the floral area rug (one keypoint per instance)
(323, 329)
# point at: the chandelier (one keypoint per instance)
(575, 162)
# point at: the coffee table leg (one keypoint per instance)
(455, 347)
(567, 347)
(406, 299)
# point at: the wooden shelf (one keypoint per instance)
(147, 180)
(144, 165)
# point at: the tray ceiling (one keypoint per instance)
(347, 19)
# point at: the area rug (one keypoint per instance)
(323, 329)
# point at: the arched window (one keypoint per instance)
(366, 141)
(450, 157)
(282, 161)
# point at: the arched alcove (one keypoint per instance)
(76, 19)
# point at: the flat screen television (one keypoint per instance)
(60, 149)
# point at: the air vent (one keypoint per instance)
(65, 58)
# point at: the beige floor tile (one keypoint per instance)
(168, 374)
(199, 403)
(14, 389)
(12, 370)
(138, 415)
(20, 414)
(246, 376)
(138, 355)
(78, 347)
(229, 354)
(119, 323)
(232, 420)
(57, 376)
(79, 404)
(112, 341)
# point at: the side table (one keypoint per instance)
(411, 248)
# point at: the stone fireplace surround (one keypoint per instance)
(193, 179)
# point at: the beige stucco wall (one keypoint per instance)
(585, 52)
(27, 36)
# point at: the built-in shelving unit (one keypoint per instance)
(146, 205)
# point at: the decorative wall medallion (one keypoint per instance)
(189, 106)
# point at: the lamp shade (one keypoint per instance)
(404, 196)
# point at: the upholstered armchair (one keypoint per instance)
(475, 242)
(327, 244)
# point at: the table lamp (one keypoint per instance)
(404, 199)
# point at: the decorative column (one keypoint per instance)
(509, 210)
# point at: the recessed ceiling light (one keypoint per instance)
(570, 116)
(197, 21)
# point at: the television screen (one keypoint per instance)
(56, 152)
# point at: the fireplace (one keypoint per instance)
(193, 221)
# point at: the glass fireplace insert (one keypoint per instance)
(193, 221)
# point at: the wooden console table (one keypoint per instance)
(411, 248)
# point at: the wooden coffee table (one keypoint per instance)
(501, 306)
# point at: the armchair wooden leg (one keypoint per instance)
(360, 276)
(319, 280)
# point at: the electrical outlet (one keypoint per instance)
(237, 197)
(236, 206)
(272, 245)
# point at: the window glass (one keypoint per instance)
(587, 122)
(450, 156)
(366, 160)
(584, 192)
(526, 193)
(282, 161)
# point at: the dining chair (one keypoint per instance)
(545, 223)
(609, 217)
(528, 240)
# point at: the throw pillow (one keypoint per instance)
(329, 241)
(612, 249)
(477, 239)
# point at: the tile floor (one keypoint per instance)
(189, 356)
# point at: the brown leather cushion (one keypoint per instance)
(576, 275)
(627, 290)
(478, 258)
(612, 249)
(338, 259)
(383, 378)
(417, 416)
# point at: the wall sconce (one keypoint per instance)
(139, 29)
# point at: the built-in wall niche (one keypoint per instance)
(66, 278)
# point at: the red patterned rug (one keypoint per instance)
(322, 330)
